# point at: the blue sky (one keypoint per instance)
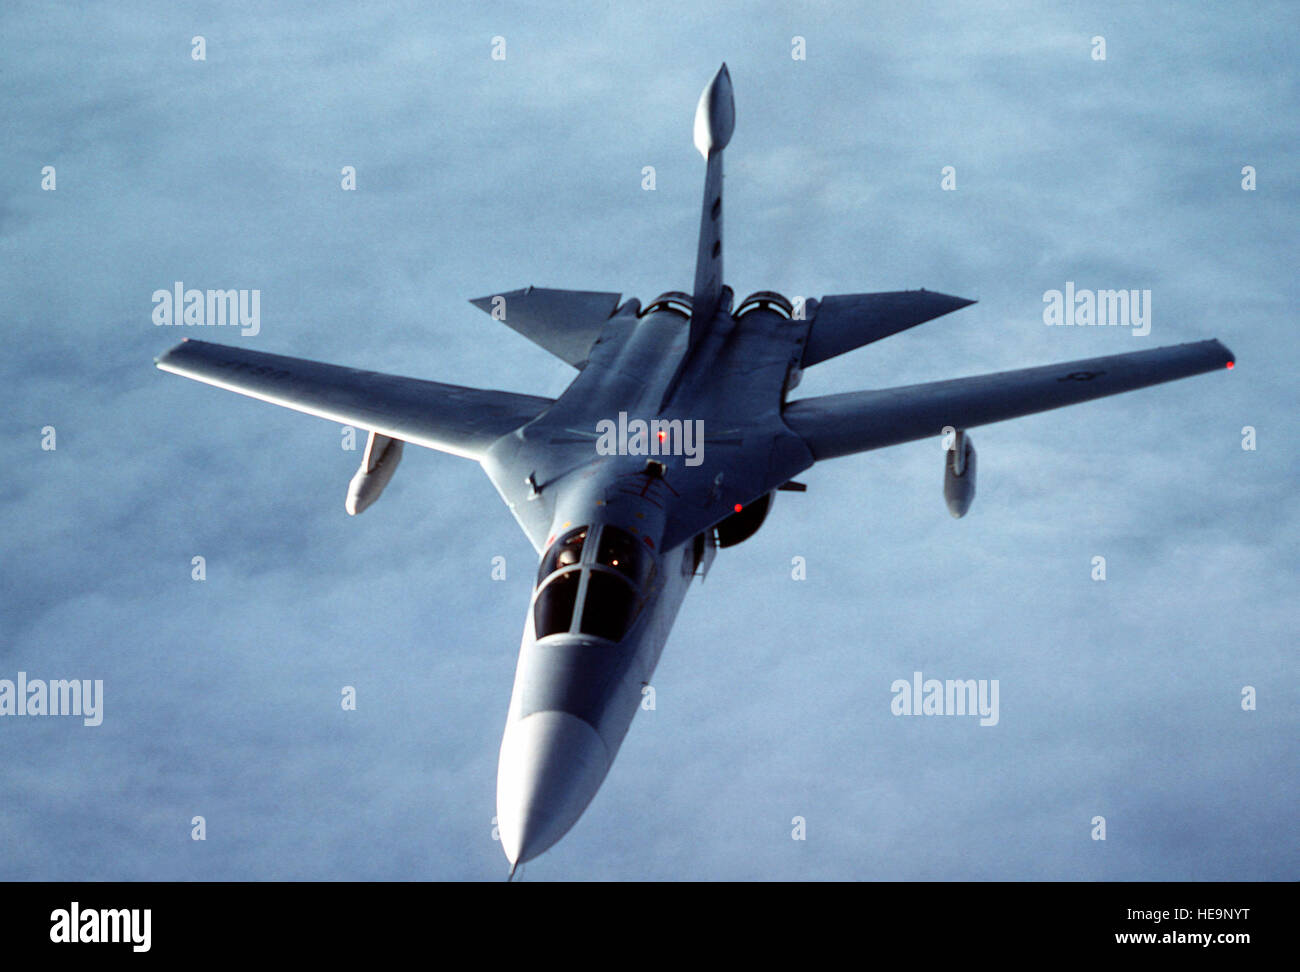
(475, 176)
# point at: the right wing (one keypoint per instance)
(838, 425)
(452, 418)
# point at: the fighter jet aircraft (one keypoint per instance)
(671, 442)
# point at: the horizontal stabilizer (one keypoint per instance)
(564, 322)
(462, 421)
(837, 425)
(846, 321)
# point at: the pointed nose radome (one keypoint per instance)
(552, 764)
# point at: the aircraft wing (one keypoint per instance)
(451, 418)
(837, 425)
(564, 322)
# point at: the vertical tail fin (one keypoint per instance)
(715, 119)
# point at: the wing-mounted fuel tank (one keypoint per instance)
(377, 466)
(959, 474)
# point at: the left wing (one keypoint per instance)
(838, 425)
(451, 418)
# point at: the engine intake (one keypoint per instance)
(744, 523)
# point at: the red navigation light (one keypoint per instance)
(738, 507)
(1230, 364)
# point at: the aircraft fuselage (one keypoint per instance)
(611, 580)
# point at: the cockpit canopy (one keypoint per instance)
(565, 552)
(610, 582)
(620, 550)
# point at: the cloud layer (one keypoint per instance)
(476, 176)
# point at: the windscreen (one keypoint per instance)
(620, 550)
(553, 611)
(563, 553)
(610, 604)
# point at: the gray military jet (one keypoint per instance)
(670, 442)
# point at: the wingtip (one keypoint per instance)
(160, 361)
(1230, 361)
